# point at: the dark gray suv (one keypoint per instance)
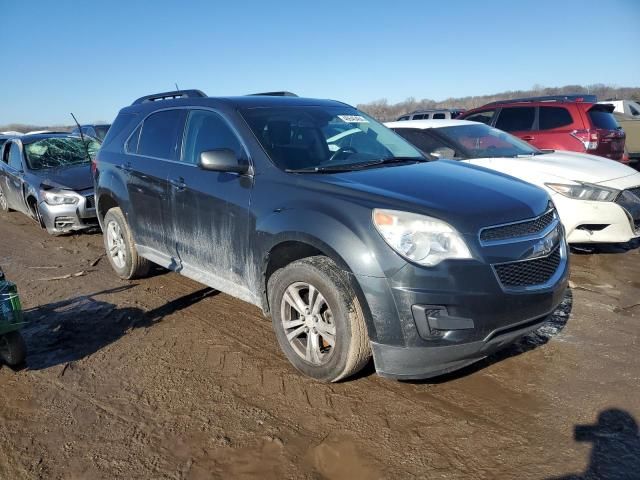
(335, 226)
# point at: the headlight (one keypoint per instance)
(418, 238)
(59, 197)
(585, 191)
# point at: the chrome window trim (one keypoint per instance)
(188, 108)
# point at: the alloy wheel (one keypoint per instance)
(308, 323)
(116, 245)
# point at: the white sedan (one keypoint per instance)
(597, 199)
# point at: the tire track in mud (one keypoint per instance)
(278, 380)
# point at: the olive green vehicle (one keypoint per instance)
(12, 348)
(631, 126)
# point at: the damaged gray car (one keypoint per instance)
(48, 178)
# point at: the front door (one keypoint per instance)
(147, 166)
(210, 210)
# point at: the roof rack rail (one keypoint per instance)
(273, 94)
(170, 96)
(551, 98)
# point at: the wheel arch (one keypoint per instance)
(288, 249)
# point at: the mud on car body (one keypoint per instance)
(47, 177)
(353, 245)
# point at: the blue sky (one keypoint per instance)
(92, 58)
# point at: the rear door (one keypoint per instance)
(151, 149)
(555, 124)
(518, 121)
(210, 210)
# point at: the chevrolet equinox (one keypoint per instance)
(338, 229)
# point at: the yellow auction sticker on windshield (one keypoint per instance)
(353, 119)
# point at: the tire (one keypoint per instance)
(4, 206)
(121, 249)
(13, 351)
(334, 315)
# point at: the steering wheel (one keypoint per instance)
(340, 151)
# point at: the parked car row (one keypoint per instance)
(350, 238)
(598, 200)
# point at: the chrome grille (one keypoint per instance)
(529, 273)
(519, 229)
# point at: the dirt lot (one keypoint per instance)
(163, 378)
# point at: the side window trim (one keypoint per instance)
(188, 109)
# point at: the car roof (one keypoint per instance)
(248, 101)
(424, 124)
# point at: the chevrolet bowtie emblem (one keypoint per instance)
(546, 245)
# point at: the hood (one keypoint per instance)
(466, 196)
(75, 177)
(561, 165)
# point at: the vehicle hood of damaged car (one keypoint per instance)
(466, 196)
(73, 177)
(571, 166)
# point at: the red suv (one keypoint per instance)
(568, 122)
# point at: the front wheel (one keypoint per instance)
(318, 320)
(120, 247)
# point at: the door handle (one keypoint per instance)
(178, 184)
(528, 138)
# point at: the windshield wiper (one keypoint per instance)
(357, 166)
(388, 161)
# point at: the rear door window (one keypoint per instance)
(439, 116)
(516, 119)
(603, 119)
(554, 117)
(485, 117)
(160, 134)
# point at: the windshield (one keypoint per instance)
(331, 138)
(482, 141)
(60, 152)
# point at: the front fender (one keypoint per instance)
(358, 249)
(347, 245)
(110, 188)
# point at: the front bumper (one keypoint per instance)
(430, 321)
(595, 222)
(59, 219)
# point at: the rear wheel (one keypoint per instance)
(13, 351)
(121, 249)
(318, 320)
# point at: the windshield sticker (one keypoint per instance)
(353, 119)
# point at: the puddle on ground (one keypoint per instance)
(338, 457)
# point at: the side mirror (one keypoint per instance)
(443, 152)
(221, 160)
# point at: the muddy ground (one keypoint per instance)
(164, 378)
